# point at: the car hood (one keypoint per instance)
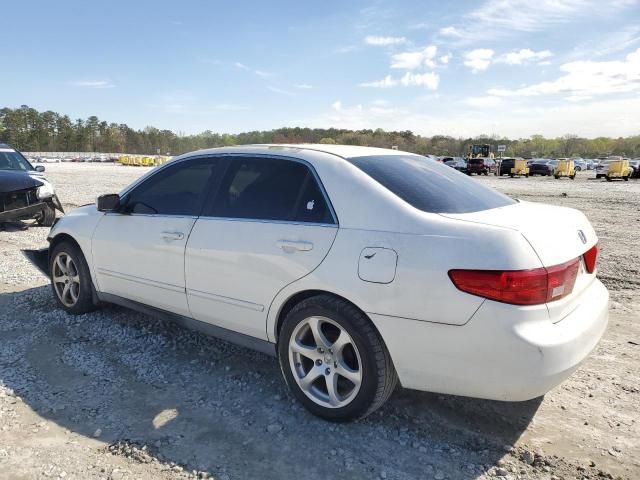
(12, 180)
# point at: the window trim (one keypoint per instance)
(209, 187)
(214, 187)
(232, 156)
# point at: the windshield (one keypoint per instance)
(12, 160)
(430, 186)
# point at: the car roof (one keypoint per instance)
(344, 151)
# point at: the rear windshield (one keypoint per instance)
(430, 186)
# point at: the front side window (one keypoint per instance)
(430, 186)
(177, 190)
(271, 189)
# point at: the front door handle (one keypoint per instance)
(172, 235)
(290, 246)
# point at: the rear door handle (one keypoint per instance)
(290, 246)
(172, 235)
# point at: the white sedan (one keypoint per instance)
(357, 267)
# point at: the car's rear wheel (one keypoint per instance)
(70, 278)
(47, 217)
(333, 359)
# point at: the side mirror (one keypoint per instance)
(108, 203)
(39, 168)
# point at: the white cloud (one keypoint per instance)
(386, 82)
(384, 41)
(98, 84)
(281, 91)
(501, 18)
(416, 59)
(427, 80)
(450, 32)
(479, 59)
(586, 78)
(304, 86)
(483, 102)
(260, 73)
(337, 105)
(524, 55)
(444, 59)
(584, 119)
(528, 16)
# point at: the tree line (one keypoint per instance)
(29, 130)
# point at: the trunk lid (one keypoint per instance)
(557, 235)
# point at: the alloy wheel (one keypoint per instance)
(325, 362)
(66, 279)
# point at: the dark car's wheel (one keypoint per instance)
(333, 359)
(47, 217)
(70, 278)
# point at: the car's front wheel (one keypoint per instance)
(334, 360)
(47, 216)
(70, 278)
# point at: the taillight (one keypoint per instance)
(519, 287)
(590, 259)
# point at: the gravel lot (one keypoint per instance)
(115, 394)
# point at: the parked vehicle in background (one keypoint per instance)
(360, 268)
(602, 168)
(565, 167)
(635, 167)
(25, 193)
(579, 164)
(456, 162)
(481, 166)
(541, 166)
(506, 164)
(618, 168)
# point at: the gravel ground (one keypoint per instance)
(115, 394)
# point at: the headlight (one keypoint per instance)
(45, 191)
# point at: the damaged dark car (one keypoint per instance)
(25, 193)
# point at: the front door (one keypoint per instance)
(138, 252)
(269, 225)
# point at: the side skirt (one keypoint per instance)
(225, 334)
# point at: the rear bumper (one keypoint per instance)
(503, 353)
(21, 213)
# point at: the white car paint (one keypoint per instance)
(239, 274)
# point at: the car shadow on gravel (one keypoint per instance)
(207, 405)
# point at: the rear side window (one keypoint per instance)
(176, 190)
(430, 186)
(271, 189)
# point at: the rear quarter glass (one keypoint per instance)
(430, 186)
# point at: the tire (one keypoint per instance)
(572, 177)
(511, 175)
(485, 173)
(79, 297)
(626, 179)
(365, 354)
(598, 176)
(608, 178)
(47, 217)
(556, 177)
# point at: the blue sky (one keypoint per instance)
(503, 67)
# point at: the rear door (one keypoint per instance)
(138, 252)
(269, 224)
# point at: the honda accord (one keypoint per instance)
(358, 268)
